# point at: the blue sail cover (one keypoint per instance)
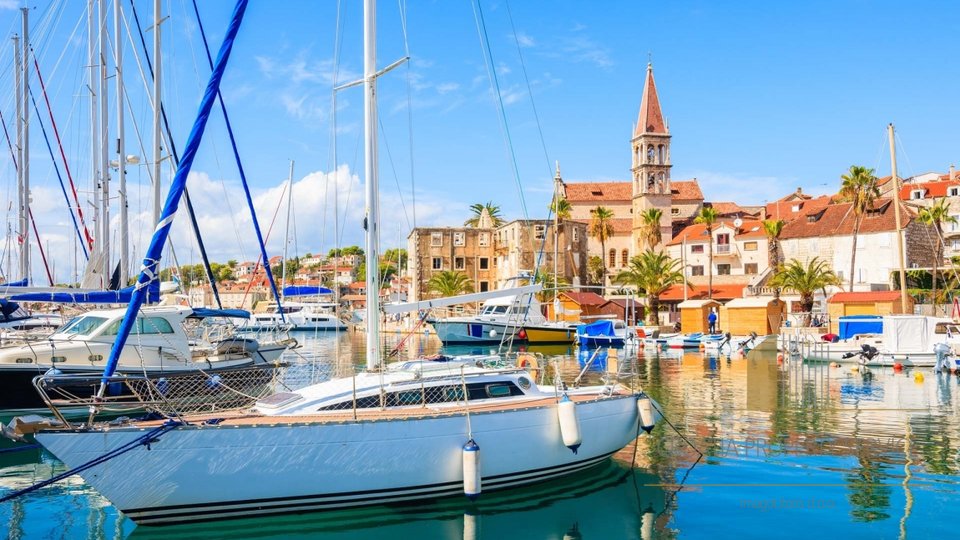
(123, 296)
(150, 271)
(21, 283)
(204, 313)
(305, 290)
(599, 328)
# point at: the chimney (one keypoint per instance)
(799, 191)
(953, 173)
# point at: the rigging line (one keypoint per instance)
(903, 150)
(176, 159)
(56, 168)
(63, 156)
(337, 48)
(409, 82)
(492, 74)
(386, 145)
(526, 79)
(243, 176)
(260, 262)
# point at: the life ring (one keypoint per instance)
(529, 362)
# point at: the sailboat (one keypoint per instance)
(406, 431)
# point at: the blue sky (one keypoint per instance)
(761, 97)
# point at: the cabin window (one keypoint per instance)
(436, 239)
(483, 240)
(750, 269)
(498, 390)
(484, 263)
(459, 263)
(459, 239)
(82, 326)
(438, 263)
(144, 325)
(749, 246)
(524, 382)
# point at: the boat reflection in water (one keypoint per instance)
(607, 501)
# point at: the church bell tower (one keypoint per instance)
(651, 165)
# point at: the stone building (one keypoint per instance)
(522, 246)
(470, 250)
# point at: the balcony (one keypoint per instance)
(725, 250)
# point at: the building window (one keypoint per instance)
(484, 263)
(612, 258)
(436, 239)
(750, 269)
(484, 239)
(696, 248)
(696, 270)
(438, 263)
(916, 194)
(624, 258)
(459, 263)
(484, 286)
(539, 231)
(749, 246)
(953, 192)
(674, 211)
(459, 239)
(723, 269)
(576, 234)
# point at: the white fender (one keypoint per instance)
(569, 424)
(648, 418)
(471, 470)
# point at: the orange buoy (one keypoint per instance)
(780, 357)
(897, 366)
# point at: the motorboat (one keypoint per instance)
(604, 333)
(166, 340)
(691, 341)
(319, 316)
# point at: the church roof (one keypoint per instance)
(598, 191)
(651, 118)
(686, 190)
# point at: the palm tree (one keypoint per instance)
(805, 280)
(601, 228)
(561, 207)
(652, 273)
(650, 227)
(594, 269)
(935, 217)
(552, 283)
(859, 187)
(708, 216)
(477, 211)
(450, 283)
(773, 228)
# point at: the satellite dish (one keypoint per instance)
(738, 223)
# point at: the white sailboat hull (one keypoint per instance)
(201, 472)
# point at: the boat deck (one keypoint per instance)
(246, 418)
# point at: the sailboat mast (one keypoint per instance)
(157, 143)
(22, 233)
(121, 150)
(94, 135)
(556, 239)
(896, 214)
(370, 171)
(286, 236)
(25, 149)
(104, 145)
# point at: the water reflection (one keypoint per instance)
(786, 444)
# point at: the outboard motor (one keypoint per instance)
(868, 352)
(943, 352)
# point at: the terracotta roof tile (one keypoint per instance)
(866, 296)
(784, 209)
(651, 117)
(720, 292)
(686, 190)
(930, 189)
(697, 232)
(585, 298)
(598, 191)
(838, 220)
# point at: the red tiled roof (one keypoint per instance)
(783, 209)
(585, 298)
(720, 292)
(598, 191)
(651, 118)
(930, 189)
(697, 232)
(838, 220)
(686, 190)
(866, 296)
(727, 208)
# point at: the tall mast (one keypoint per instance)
(104, 146)
(556, 240)
(286, 236)
(370, 172)
(896, 214)
(25, 160)
(157, 142)
(121, 150)
(94, 133)
(23, 234)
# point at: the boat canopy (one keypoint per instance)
(64, 296)
(21, 283)
(853, 325)
(206, 313)
(905, 334)
(599, 328)
(305, 290)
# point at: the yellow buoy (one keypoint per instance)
(918, 377)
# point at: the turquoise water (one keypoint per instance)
(787, 450)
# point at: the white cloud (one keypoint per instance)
(525, 40)
(741, 188)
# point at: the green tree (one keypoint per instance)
(652, 273)
(773, 228)
(650, 227)
(561, 207)
(859, 187)
(387, 271)
(396, 256)
(450, 283)
(805, 280)
(935, 216)
(232, 263)
(601, 228)
(477, 209)
(349, 250)
(708, 217)
(594, 270)
(221, 272)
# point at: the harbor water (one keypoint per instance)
(754, 448)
